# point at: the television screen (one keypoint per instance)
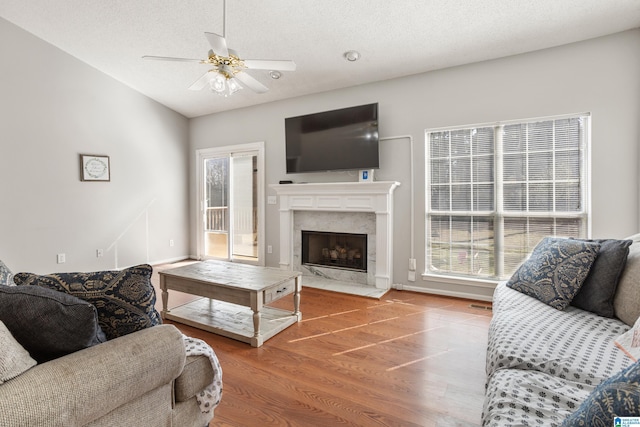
(345, 139)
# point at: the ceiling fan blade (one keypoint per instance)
(251, 83)
(166, 58)
(201, 82)
(270, 64)
(218, 43)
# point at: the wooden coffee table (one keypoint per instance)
(234, 299)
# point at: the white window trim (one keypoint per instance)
(491, 282)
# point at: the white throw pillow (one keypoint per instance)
(14, 359)
(629, 342)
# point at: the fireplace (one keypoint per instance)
(339, 207)
(346, 251)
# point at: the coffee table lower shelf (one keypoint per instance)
(232, 320)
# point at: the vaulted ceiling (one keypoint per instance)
(394, 37)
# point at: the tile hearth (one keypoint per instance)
(351, 288)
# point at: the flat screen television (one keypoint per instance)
(344, 139)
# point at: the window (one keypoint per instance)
(494, 191)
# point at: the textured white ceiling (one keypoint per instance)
(395, 37)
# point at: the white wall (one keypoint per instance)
(54, 107)
(600, 76)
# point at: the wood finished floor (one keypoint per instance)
(409, 359)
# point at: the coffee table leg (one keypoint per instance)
(296, 298)
(165, 296)
(256, 324)
(256, 307)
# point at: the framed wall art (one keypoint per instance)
(94, 168)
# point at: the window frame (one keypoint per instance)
(498, 213)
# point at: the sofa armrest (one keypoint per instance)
(197, 374)
(78, 388)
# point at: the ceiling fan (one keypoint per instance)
(227, 74)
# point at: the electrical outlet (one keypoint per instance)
(171, 242)
(272, 200)
(269, 249)
(62, 258)
(99, 253)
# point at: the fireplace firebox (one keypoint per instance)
(338, 250)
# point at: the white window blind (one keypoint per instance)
(494, 191)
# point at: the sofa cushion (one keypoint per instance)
(518, 397)
(47, 323)
(125, 299)
(618, 396)
(555, 271)
(599, 288)
(573, 344)
(14, 359)
(626, 303)
(6, 277)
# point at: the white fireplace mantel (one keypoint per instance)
(375, 197)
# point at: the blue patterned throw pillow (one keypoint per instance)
(125, 299)
(6, 277)
(556, 270)
(617, 396)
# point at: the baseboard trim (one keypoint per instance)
(171, 260)
(464, 295)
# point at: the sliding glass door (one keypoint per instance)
(230, 203)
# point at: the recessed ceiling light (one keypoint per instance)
(351, 55)
(275, 75)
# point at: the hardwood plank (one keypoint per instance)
(409, 359)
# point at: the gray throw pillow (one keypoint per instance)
(555, 271)
(47, 323)
(125, 299)
(597, 293)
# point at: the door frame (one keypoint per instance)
(229, 150)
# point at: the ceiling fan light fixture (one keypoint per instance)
(233, 85)
(218, 84)
(224, 86)
(275, 75)
(351, 55)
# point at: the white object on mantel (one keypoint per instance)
(375, 197)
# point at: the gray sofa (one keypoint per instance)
(89, 349)
(141, 379)
(552, 366)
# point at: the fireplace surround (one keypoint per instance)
(340, 199)
(363, 223)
